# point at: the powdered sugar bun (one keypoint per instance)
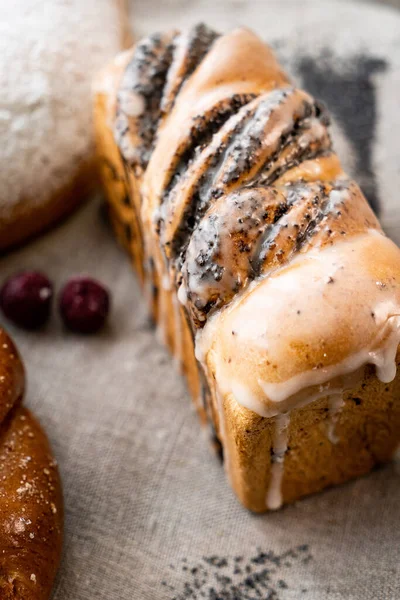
(49, 50)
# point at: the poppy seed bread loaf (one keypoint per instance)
(267, 272)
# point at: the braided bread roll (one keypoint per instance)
(31, 507)
(265, 268)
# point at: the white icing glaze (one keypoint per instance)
(50, 50)
(279, 448)
(336, 404)
(182, 294)
(131, 103)
(383, 357)
(295, 330)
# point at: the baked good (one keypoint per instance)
(31, 507)
(48, 50)
(265, 268)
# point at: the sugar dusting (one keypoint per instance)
(50, 50)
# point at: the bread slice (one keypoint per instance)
(265, 269)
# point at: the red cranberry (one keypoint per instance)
(25, 299)
(84, 305)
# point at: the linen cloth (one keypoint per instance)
(149, 513)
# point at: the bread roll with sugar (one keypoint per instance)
(48, 49)
(31, 507)
(265, 268)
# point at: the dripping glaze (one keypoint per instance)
(300, 334)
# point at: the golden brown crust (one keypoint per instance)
(31, 506)
(367, 431)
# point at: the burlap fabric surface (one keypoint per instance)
(149, 514)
